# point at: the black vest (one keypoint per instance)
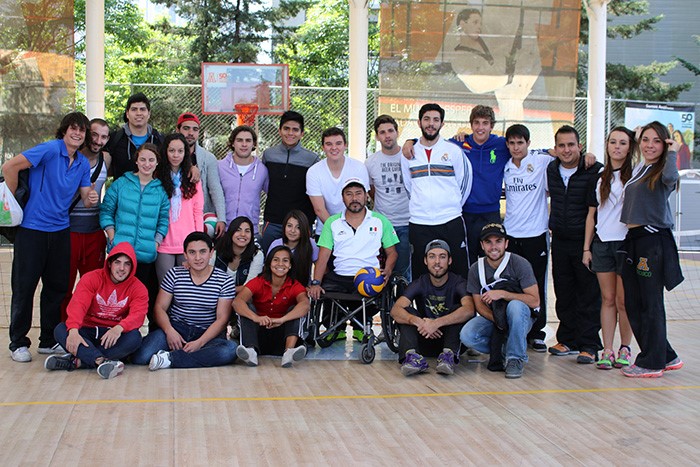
(569, 206)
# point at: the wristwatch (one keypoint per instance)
(315, 282)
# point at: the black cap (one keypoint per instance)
(493, 229)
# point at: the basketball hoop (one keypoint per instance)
(246, 114)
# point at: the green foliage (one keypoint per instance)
(642, 82)
(622, 8)
(135, 52)
(123, 23)
(230, 31)
(691, 67)
(318, 52)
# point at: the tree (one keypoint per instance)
(231, 31)
(694, 69)
(135, 52)
(318, 52)
(124, 24)
(641, 82)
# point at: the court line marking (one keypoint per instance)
(348, 396)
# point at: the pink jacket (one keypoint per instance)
(191, 219)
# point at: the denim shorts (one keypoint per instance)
(604, 255)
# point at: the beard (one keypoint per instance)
(439, 275)
(355, 207)
(429, 137)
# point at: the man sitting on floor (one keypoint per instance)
(192, 310)
(507, 300)
(104, 316)
(443, 306)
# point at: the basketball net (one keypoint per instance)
(246, 114)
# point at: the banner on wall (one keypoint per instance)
(678, 118)
(518, 56)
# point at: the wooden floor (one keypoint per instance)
(343, 412)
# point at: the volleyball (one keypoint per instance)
(210, 221)
(369, 281)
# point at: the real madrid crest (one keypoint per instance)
(445, 157)
(530, 168)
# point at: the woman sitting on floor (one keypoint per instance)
(281, 304)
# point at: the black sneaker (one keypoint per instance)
(514, 368)
(65, 362)
(538, 345)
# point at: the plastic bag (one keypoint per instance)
(11, 213)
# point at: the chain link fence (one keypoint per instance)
(321, 107)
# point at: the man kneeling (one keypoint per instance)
(443, 305)
(507, 300)
(192, 310)
(104, 316)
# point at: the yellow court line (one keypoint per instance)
(347, 396)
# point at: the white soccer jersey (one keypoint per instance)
(526, 195)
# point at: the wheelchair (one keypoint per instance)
(329, 315)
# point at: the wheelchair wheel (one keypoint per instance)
(368, 353)
(391, 333)
(389, 326)
(328, 340)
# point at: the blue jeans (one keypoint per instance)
(477, 332)
(403, 248)
(127, 343)
(216, 352)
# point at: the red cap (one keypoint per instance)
(187, 117)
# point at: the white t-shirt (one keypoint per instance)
(390, 195)
(321, 182)
(609, 228)
(242, 169)
(566, 174)
(527, 214)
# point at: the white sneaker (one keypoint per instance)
(56, 349)
(22, 355)
(293, 355)
(248, 355)
(159, 361)
(110, 368)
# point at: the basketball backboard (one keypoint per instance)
(226, 84)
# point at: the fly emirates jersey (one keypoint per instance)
(526, 195)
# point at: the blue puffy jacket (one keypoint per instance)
(136, 216)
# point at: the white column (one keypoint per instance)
(357, 109)
(597, 28)
(95, 58)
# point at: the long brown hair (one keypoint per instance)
(653, 175)
(163, 170)
(625, 170)
(303, 253)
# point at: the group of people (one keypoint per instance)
(479, 281)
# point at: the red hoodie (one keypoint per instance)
(97, 301)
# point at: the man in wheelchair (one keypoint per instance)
(442, 306)
(355, 237)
